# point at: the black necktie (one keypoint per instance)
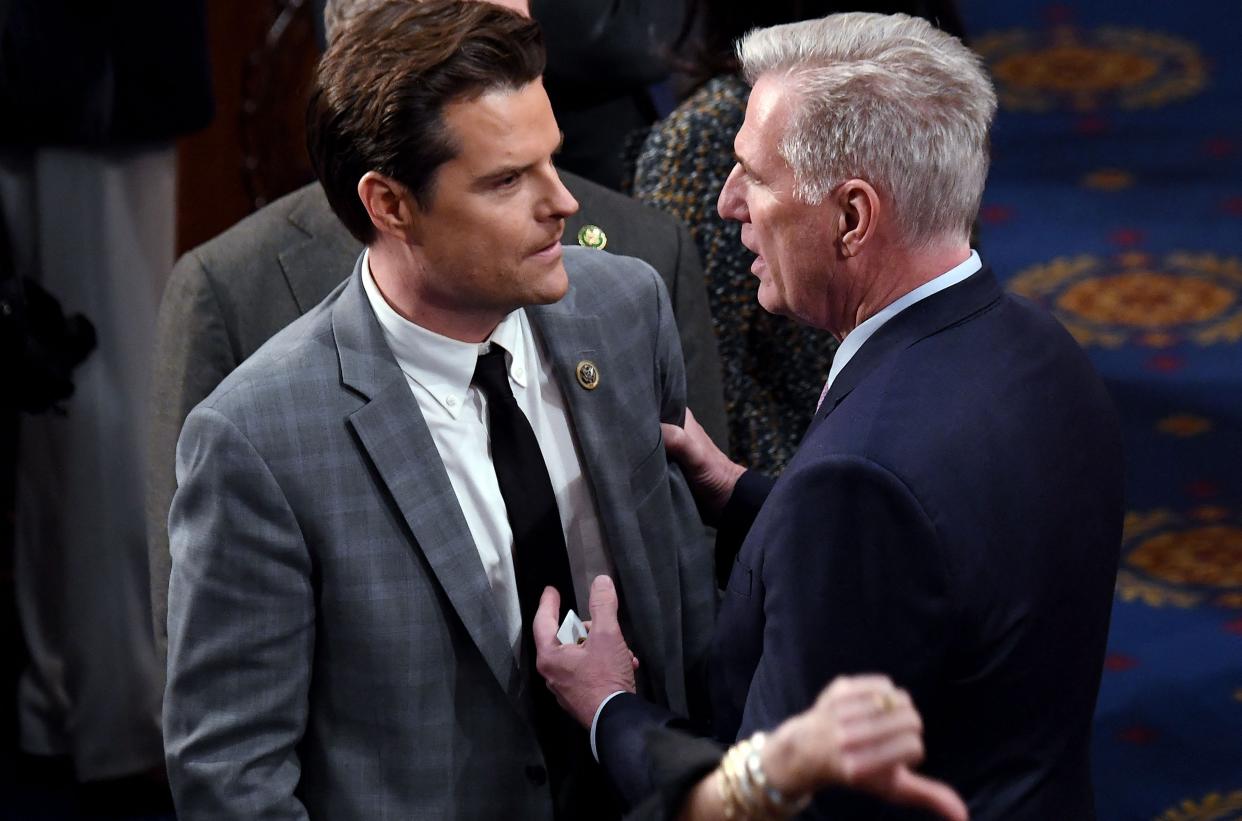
(539, 557)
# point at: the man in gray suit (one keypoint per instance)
(227, 297)
(348, 629)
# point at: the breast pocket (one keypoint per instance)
(741, 579)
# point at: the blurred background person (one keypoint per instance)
(92, 95)
(604, 56)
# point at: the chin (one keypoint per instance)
(553, 287)
(771, 302)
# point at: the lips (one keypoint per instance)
(551, 248)
(757, 263)
(746, 240)
(548, 252)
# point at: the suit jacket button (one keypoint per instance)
(537, 775)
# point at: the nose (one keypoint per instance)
(560, 202)
(732, 202)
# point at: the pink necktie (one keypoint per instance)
(822, 395)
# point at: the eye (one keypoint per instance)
(746, 174)
(508, 180)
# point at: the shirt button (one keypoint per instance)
(451, 401)
(519, 372)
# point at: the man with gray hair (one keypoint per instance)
(953, 516)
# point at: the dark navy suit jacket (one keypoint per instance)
(952, 519)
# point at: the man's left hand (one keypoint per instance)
(583, 675)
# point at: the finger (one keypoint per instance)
(634, 662)
(920, 791)
(863, 686)
(864, 762)
(876, 706)
(872, 729)
(603, 604)
(544, 624)
(849, 688)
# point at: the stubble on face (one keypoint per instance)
(489, 238)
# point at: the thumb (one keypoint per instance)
(543, 625)
(916, 790)
(675, 439)
(603, 604)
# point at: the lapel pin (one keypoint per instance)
(592, 236)
(588, 375)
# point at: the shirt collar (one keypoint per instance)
(857, 337)
(443, 366)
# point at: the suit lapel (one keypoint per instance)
(567, 338)
(313, 266)
(921, 320)
(391, 429)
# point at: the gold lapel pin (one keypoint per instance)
(592, 236)
(588, 375)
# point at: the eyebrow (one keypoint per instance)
(499, 173)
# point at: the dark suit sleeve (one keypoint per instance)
(683, 760)
(735, 520)
(240, 588)
(192, 355)
(854, 580)
(652, 756)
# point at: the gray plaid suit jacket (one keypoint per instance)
(333, 647)
(228, 296)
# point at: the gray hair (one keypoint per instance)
(336, 13)
(888, 99)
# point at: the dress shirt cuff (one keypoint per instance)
(595, 721)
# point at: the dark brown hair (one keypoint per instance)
(379, 94)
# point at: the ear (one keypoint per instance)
(859, 206)
(390, 206)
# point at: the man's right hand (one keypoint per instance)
(711, 474)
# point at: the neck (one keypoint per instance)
(891, 276)
(408, 285)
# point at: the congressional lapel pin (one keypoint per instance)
(588, 375)
(592, 236)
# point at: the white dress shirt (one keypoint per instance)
(857, 337)
(439, 370)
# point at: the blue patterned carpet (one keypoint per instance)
(1116, 201)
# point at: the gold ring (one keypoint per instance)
(885, 702)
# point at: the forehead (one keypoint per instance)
(520, 6)
(768, 112)
(503, 125)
